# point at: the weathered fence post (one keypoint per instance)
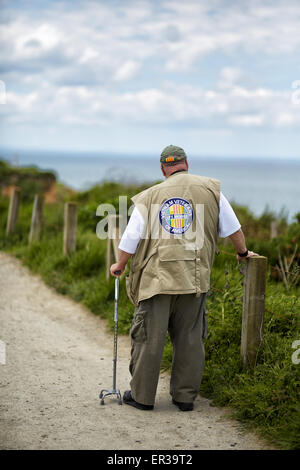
(253, 308)
(113, 239)
(273, 229)
(36, 219)
(70, 226)
(13, 211)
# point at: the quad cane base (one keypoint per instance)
(105, 393)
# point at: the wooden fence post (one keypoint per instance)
(253, 308)
(273, 229)
(70, 226)
(36, 219)
(13, 211)
(113, 239)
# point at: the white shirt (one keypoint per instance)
(228, 224)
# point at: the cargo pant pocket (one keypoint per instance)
(138, 332)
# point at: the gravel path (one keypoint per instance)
(58, 357)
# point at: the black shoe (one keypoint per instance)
(127, 398)
(183, 406)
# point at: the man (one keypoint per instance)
(172, 235)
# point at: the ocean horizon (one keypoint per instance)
(258, 183)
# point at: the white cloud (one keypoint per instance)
(247, 120)
(229, 76)
(85, 64)
(127, 70)
(116, 38)
(171, 104)
(285, 119)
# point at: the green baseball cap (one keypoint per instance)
(171, 154)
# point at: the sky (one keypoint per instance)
(216, 77)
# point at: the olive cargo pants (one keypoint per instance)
(185, 318)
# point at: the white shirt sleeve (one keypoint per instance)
(228, 224)
(133, 232)
(228, 221)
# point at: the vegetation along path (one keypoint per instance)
(58, 357)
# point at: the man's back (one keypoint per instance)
(176, 255)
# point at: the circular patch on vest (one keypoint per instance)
(176, 215)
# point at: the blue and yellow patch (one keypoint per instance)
(176, 215)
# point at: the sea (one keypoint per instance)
(260, 184)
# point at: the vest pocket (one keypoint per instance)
(177, 269)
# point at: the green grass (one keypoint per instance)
(267, 398)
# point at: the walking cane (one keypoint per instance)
(104, 393)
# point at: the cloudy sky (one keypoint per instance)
(217, 77)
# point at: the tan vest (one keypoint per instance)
(171, 258)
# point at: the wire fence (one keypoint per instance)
(276, 268)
